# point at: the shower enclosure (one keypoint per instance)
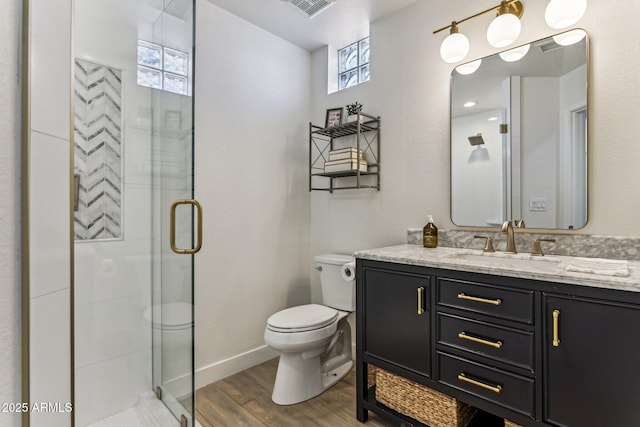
(135, 225)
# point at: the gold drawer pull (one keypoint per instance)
(495, 344)
(476, 299)
(556, 321)
(420, 300)
(493, 388)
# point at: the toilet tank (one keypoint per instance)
(337, 292)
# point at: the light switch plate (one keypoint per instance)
(538, 204)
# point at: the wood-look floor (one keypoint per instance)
(244, 399)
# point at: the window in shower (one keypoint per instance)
(160, 67)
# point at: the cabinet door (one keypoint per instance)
(592, 351)
(396, 321)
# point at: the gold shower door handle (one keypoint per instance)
(172, 231)
(420, 300)
(556, 321)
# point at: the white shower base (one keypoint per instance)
(148, 412)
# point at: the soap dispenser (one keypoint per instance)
(430, 234)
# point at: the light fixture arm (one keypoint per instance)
(511, 6)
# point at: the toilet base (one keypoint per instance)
(296, 381)
(301, 377)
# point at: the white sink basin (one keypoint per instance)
(502, 260)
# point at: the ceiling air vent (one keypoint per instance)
(548, 45)
(311, 7)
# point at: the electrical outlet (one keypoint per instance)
(538, 204)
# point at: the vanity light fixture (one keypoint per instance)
(564, 13)
(570, 37)
(506, 27)
(455, 47)
(516, 54)
(469, 67)
(502, 32)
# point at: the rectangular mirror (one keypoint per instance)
(519, 136)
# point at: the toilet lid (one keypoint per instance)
(302, 318)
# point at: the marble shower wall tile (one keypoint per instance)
(583, 245)
(98, 151)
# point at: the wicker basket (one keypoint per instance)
(421, 403)
(371, 376)
(508, 423)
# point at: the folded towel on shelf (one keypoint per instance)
(605, 267)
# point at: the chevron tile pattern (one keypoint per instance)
(98, 151)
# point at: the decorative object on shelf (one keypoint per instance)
(353, 110)
(345, 160)
(334, 117)
(346, 165)
(506, 26)
(351, 153)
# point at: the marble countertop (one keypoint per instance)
(552, 268)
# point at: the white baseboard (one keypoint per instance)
(224, 368)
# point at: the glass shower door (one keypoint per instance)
(133, 158)
(176, 217)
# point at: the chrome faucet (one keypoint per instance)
(507, 227)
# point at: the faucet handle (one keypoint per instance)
(519, 223)
(488, 247)
(537, 249)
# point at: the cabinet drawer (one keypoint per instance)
(495, 301)
(496, 342)
(503, 388)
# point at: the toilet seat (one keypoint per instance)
(302, 318)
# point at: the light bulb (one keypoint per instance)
(516, 54)
(454, 48)
(469, 67)
(503, 30)
(564, 13)
(569, 38)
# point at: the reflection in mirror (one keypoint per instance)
(519, 136)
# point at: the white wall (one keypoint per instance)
(409, 88)
(10, 368)
(539, 145)
(252, 112)
(573, 93)
(479, 179)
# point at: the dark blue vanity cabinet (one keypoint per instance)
(534, 352)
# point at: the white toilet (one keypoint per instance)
(174, 324)
(314, 340)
